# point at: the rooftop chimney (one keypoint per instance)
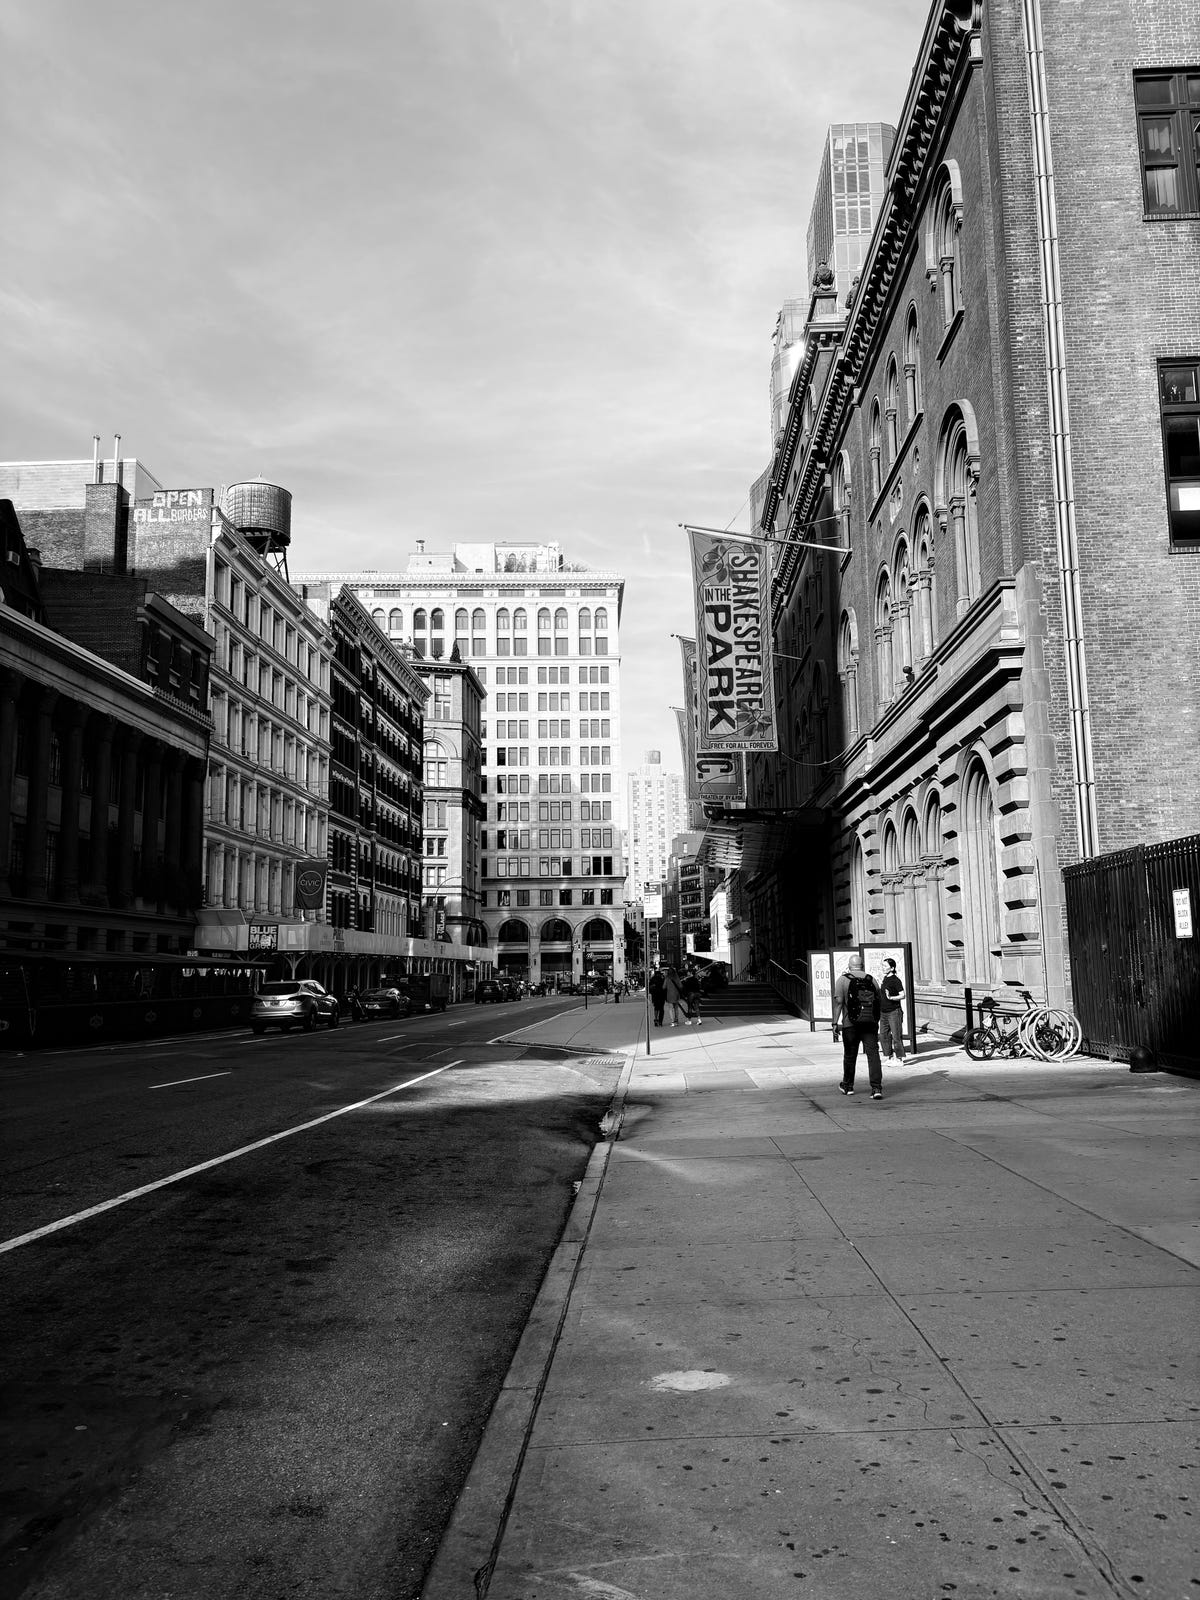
(95, 458)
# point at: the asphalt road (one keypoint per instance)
(268, 1377)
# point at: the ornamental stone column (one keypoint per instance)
(173, 823)
(102, 729)
(42, 728)
(152, 795)
(131, 744)
(74, 718)
(11, 684)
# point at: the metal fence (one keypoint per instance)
(1135, 966)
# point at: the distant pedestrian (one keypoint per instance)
(691, 996)
(658, 994)
(891, 1012)
(356, 1007)
(856, 1006)
(674, 997)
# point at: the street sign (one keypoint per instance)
(652, 900)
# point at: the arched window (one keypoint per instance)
(932, 938)
(875, 450)
(520, 620)
(419, 620)
(902, 653)
(556, 930)
(502, 620)
(460, 622)
(436, 766)
(437, 621)
(379, 617)
(884, 667)
(859, 900)
(514, 931)
(560, 620)
(907, 919)
(585, 620)
(601, 619)
(597, 931)
(478, 620)
(891, 883)
(842, 494)
(980, 878)
(848, 672)
(912, 365)
(543, 620)
(923, 582)
(395, 620)
(943, 245)
(956, 479)
(892, 410)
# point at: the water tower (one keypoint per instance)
(262, 514)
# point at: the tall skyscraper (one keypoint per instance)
(656, 807)
(849, 192)
(543, 638)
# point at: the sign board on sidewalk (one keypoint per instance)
(825, 967)
(874, 955)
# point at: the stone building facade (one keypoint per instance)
(543, 639)
(994, 676)
(103, 748)
(454, 807)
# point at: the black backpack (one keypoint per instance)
(861, 1000)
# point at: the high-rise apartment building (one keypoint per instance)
(543, 638)
(656, 810)
(848, 197)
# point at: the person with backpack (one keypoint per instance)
(856, 1008)
(691, 996)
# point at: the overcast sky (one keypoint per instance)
(444, 269)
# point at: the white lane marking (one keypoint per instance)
(390, 1038)
(204, 1076)
(217, 1161)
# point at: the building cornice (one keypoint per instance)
(950, 49)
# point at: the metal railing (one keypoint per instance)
(792, 987)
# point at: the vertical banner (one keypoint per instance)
(713, 777)
(732, 581)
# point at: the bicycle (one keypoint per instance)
(1045, 1034)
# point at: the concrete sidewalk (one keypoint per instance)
(939, 1346)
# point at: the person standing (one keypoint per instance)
(658, 994)
(856, 1007)
(691, 995)
(891, 1012)
(674, 996)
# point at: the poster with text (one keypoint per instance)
(735, 682)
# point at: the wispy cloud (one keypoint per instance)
(442, 268)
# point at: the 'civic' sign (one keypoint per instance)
(309, 892)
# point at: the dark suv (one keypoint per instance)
(298, 1003)
(487, 991)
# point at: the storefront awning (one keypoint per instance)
(753, 842)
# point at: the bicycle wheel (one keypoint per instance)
(980, 1043)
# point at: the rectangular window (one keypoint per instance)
(545, 897)
(1179, 398)
(1168, 115)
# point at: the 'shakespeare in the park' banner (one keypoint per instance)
(733, 637)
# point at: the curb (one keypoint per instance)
(470, 1545)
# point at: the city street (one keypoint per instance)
(268, 1376)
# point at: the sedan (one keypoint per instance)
(487, 991)
(386, 1003)
(299, 1003)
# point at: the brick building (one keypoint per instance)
(996, 676)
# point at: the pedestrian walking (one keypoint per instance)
(891, 1012)
(673, 1000)
(658, 994)
(856, 1007)
(691, 996)
(356, 1009)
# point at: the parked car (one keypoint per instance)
(510, 989)
(487, 992)
(429, 991)
(296, 1003)
(386, 1002)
